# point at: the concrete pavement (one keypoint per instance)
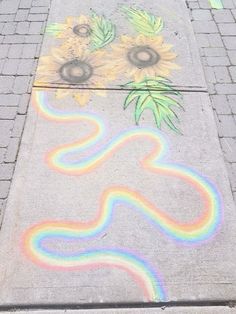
(50, 190)
(217, 49)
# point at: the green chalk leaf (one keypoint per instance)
(145, 23)
(131, 96)
(103, 31)
(55, 29)
(159, 101)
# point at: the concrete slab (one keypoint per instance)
(177, 310)
(80, 227)
(141, 55)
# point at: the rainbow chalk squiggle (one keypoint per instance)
(200, 229)
(136, 267)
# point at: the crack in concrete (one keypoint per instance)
(113, 306)
(184, 90)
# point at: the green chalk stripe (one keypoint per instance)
(216, 4)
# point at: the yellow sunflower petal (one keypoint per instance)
(48, 67)
(46, 78)
(169, 56)
(141, 40)
(117, 47)
(120, 69)
(95, 58)
(158, 40)
(82, 97)
(170, 65)
(163, 72)
(120, 63)
(58, 54)
(151, 72)
(69, 21)
(83, 19)
(111, 73)
(101, 92)
(61, 93)
(139, 76)
(37, 82)
(126, 39)
(45, 60)
(166, 47)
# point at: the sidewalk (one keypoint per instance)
(22, 25)
(81, 205)
(215, 31)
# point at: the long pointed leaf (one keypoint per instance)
(171, 125)
(141, 105)
(131, 96)
(144, 22)
(159, 102)
(103, 31)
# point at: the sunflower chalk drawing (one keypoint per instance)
(90, 52)
(142, 57)
(88, 56)
(75, 65)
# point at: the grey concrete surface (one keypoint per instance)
(177, 31)
(200, 272)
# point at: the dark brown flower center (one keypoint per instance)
(76, 71)
(82, 30)
(143, 56)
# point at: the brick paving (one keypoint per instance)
(22, 25)
(216, 37)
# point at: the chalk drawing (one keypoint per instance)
(154, 95)
(203, 228)
(88, 59)
(148, 61)
(94, 31)
(72, 64)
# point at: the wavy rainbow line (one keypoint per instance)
(200, 229)
(149, 281)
